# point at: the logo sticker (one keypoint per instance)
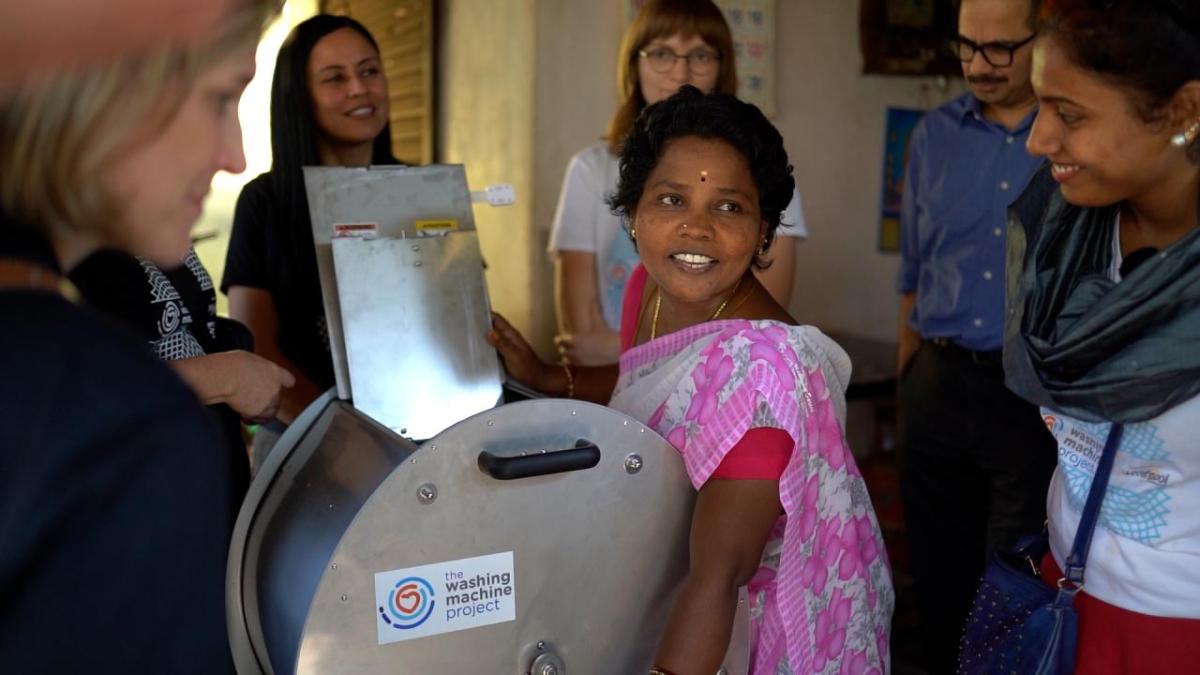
(444, 597)
(409, 603)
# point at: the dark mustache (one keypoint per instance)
(986, 79)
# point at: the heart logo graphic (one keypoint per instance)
(408, 599)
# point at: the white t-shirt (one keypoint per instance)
(583, 222)
(1145, 553)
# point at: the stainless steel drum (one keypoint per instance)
(544, 536)
(534, 538)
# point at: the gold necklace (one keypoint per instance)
(658, 306)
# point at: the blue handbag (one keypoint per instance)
(1019, 625)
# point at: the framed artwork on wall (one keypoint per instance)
(907, 37)
(752, 23)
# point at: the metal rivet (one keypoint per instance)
(427, 493)
(490, 423)
(416, 249)
(403, 431)
(624, 423)
(333, 566)
(573, 413)
(541, 645)
(633, 463)
(417, 264)
(345, 597)
(331, 507)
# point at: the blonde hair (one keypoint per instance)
(57, 133)
(660, 19)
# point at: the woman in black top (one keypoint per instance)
(115, 502)
(329, 107)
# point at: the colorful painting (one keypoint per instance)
(899, 128)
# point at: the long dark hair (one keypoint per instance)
(293, 130)
(294, 133)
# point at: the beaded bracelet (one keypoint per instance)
(566, 366)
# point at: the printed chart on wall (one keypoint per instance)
(752, 23)
(900, 125)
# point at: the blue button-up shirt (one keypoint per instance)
(963, 172)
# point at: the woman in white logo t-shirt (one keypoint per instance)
(1104, 316)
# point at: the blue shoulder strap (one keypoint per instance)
(1091, 510)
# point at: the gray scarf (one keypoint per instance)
(1077, 342)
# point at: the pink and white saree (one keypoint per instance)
(822, 600)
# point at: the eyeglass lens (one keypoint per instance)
(699, 61)
(997, 55)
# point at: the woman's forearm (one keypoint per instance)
(697, 634)
(206, 376)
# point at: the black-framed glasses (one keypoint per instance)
(700, 61)
(997, 54)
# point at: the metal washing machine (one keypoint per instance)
(536, 537)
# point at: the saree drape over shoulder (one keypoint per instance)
(822, 599)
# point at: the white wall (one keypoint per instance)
(832, 120)
(486, 122)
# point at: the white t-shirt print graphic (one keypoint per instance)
(1148, 531)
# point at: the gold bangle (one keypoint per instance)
(566, 366)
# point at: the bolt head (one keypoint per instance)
(427, 493)
(633, 463)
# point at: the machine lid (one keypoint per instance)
(547, 531)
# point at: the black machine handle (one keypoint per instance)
(584, 455)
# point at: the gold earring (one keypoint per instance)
(633, 233)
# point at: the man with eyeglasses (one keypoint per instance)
(975, 460)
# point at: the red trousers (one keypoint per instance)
(1115, 641)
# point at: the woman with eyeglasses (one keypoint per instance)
(1104, 317)
(669, 44)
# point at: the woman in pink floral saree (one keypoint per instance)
(754, 403)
